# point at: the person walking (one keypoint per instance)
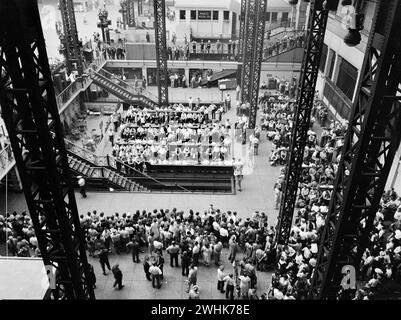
(220, 278)
(217, 252)
(134, 247)
(192, 276)
(277, 194)
(233, 248)
(118, 276)
(146, 267)
(185, 262)
(156, 274)
(147, 37)
(195, 254)
(238, 174)
(82, 188)
(104, 260)
(173, 250)
(245, 281)
(230, 283)
(111, 136)
(194, 293)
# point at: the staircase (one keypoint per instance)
(288, 55)
(98, 174)
(122, 90)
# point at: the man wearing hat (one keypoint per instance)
(82, 189)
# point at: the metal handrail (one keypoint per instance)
(103, 161)
(185, 189)
(127, 86)
(74, 87)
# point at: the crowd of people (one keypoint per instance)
(197, 238)
(175, 134)
(176, 114)
(275, 46)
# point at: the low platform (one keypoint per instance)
(193, 178)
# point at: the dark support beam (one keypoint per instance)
(161, 50)
(252, 49)
(31, 116)
(307, 84)
(70, 41)
(372, 139)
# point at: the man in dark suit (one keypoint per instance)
(104, 260)
(134, 246)
(118, 276)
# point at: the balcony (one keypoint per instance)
(80, 85)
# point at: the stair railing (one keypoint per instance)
(106, 161)
(130, 88)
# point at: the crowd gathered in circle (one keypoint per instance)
(189, 239)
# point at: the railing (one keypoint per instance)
(79, 84)
(281, 24)
(283, 40)
(105, 161)
(283, 46)
(7, 160)
(130, 88)
(71, 90)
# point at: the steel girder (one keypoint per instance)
(71, 43)
(32, 119)
(307, 83)
(161, 50)
(253, 36)
(257, 60)
(370, 145)
(241, 29)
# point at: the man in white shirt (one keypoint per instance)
(82, 189)
(156, 274)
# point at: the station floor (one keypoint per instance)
(257, 194)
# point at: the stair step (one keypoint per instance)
(82, 166)
(86, 170)
(77, 164)
(119, 180)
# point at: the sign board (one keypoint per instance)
(204, 15)
(130, 13)
(223, 87)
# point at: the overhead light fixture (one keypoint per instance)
(346, 2)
